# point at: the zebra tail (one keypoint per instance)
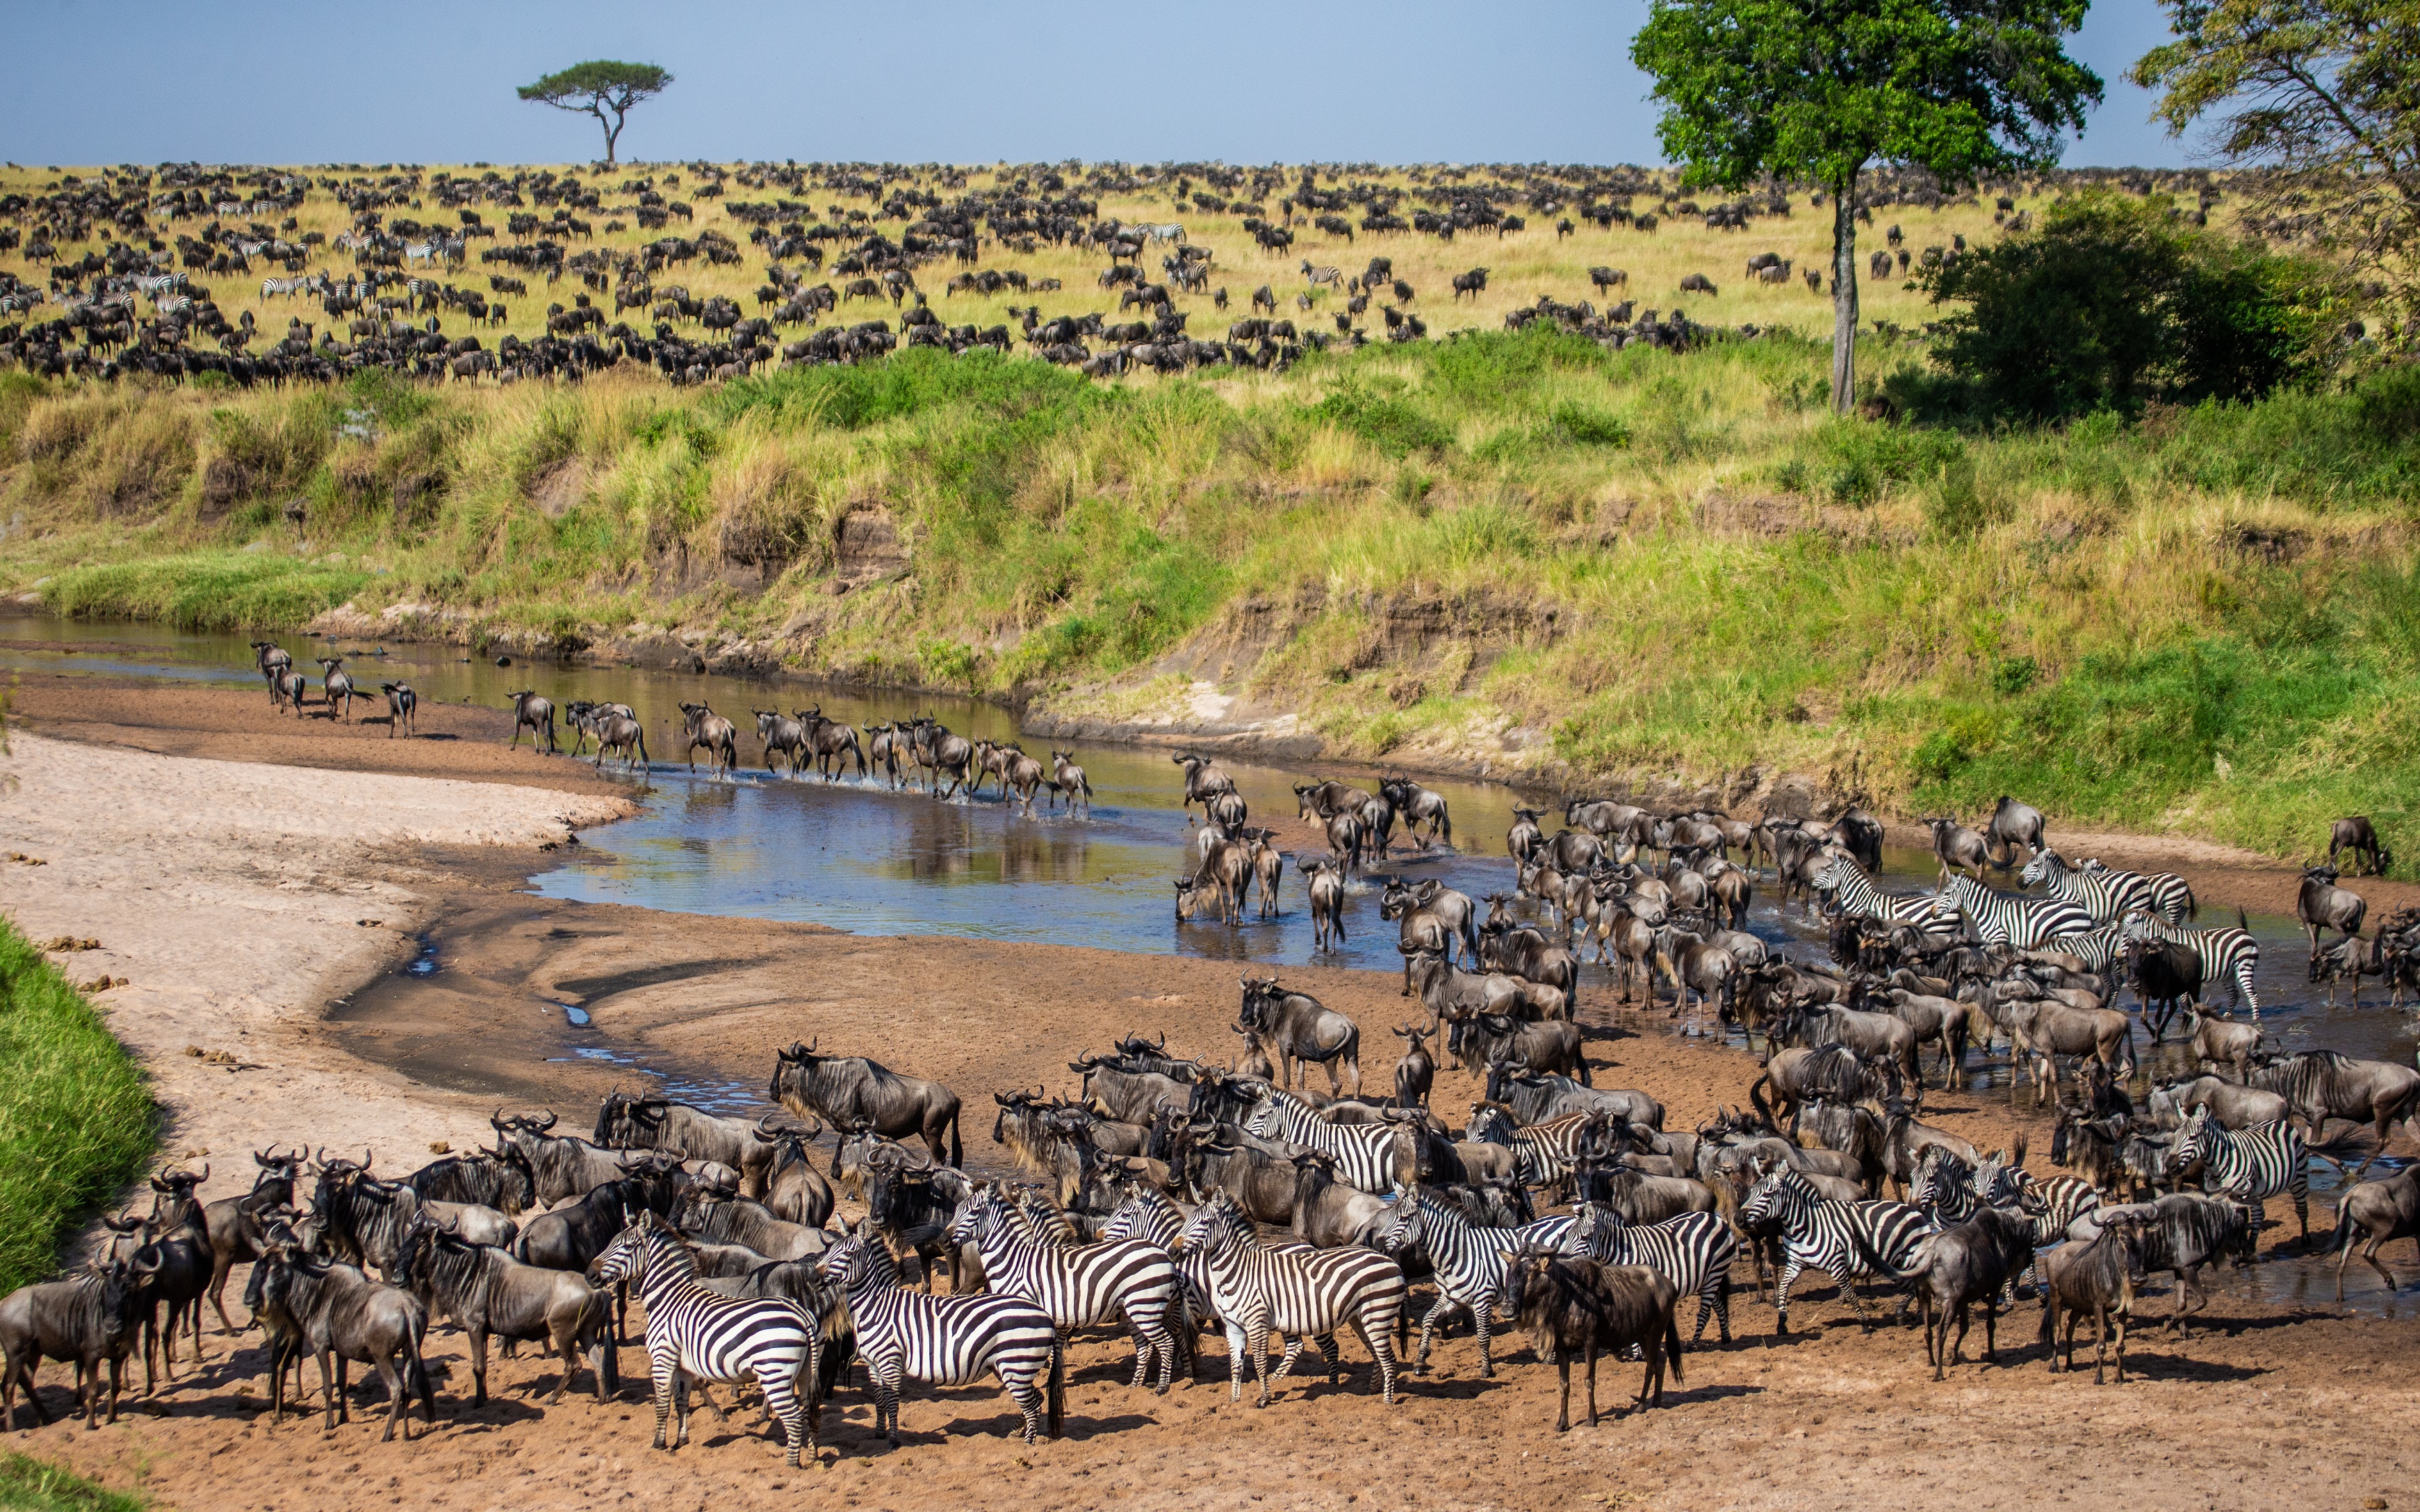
(1058, 1389)
(1672, 1342)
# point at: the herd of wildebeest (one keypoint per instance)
(393, 291)
(1171, 1194)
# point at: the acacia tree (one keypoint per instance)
(594, 87)
(2325, 94)
(1816, 91)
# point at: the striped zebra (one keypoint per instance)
(1299, 1292)
(1694, 1251)
(1467, 1259)
(2107, 896)
(2026, 923)
(1944, 1187)
(2099, 949)
(175, 307)
(1544, 1152)
(2172, 896)
(1850, 892)
(277, 288)
(2251, 1166)
(1844, 1240)
(159, 284)
(695, 1335)
(1082, 1285)
(2227, 954)
(948, 1341)
(1364, 1153)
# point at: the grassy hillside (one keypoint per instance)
(1520, 549)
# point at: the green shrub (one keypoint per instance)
(206, 590)
(2114, 303)
(1393, 425)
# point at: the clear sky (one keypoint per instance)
(964, 81)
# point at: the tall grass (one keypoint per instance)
(76, 1117)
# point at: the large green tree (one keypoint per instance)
(1818, 91)
(2326, 95)
(597, 86)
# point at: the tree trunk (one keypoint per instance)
(1844, 295)
(613, 131)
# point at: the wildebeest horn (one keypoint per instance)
(203, 1179)
(549, 1124)
(159, 1186)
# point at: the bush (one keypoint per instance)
(206, 590)
(2113, 303)
(1394, 425)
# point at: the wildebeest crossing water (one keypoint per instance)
(858, 857)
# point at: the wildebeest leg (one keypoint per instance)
(398, 1396)
(332, 1395)
(1563, 1406)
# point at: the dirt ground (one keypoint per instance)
(237, 891)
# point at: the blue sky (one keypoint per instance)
(1247, 81)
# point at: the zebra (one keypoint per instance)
(1148, 1214)
(1466, 1258)
(1299, 1292)
(1078, 1286)
(175, 307)
(2107, 896)
(1694, 1251)
(1546, 1152)
(1364, 1153)
(2026, 923)
(2172, 896)
(949, 1341)
(1947, 1188)
(2251, 1166)
(2099, 949)
(695, 1334)
(1850, 892)
(1845, 1240)
(2227, 954)
(283, 287)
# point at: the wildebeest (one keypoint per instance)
(1419, 805)
(1204, 780)
(1473, 283)
(1416, 1072)
(336, 688)
(1067, 781)
(402, 709)
(2321, 905)
(1302, 1031)
(238, 1226)
(1959, 1267)
(560, 1166)
(620, 732)
(702, 726)
(2321, 1084)
(782, 736)
(2380, 1211)
(1324, 881)
(2097, 1276)
(1698, 284)
(342, 1316)
(628, 1122)
(843, 1090)
(488, 1292)
(88, 1319)
(1957, 847)
(2012, 824)
(832, 744)
(1485, 1039)
(536, 716)
(272, 659)
(1569, 1305)
(2359, 836)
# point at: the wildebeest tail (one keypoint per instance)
(958, 1155)
(415, 1378)
(1058, 1388)
(1672, 1340)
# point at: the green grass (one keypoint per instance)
(205, 591)
(76, 1116)
(29, 1485)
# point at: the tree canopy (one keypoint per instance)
(599, 85)
(1819, 90)
(2321, 92)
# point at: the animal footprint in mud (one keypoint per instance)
(69, 942)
